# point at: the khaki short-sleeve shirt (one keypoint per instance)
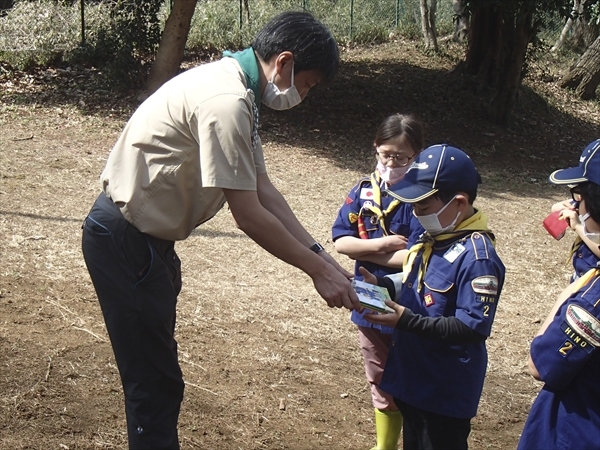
(183, 146)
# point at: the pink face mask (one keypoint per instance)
(391, 175)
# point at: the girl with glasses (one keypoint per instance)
(376, 231)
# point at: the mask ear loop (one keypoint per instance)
(275, 73)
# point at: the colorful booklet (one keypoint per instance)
(372, 297)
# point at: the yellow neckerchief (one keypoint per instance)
(584, 279)
(374, 208)
(477, 222)
(574, 248)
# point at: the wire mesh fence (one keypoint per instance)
(359, 21)
(48, 25)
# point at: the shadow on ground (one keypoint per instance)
(338, 122)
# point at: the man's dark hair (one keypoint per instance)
(311, 43)
(590, 194)
(446, 196)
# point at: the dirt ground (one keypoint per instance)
(266, 363)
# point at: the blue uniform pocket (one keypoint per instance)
(435, 297)
(437, 282)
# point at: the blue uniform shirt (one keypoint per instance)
(401, 221)
(583, 260)
(464, 279)
(566, 413)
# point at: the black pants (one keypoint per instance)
(423, 430)
(137, 279)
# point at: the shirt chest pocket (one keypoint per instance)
(438, 297)
(401, 228)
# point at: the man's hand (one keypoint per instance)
(327, 257)
(336, 290)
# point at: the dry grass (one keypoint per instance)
(267, 364)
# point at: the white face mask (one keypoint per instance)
(594, 237)
(391, 175)
(275, 99)
(432, 224)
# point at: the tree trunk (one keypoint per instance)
(428, 24)
(584, 32)
(484, 40)
(584, 77)
(498, 41)
(172, 44)
(461, 26)
(577, 9)
(507, 86)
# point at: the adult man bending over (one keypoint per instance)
(187, 149)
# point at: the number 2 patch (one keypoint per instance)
(565, 348)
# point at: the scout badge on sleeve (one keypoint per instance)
(485, 285)
(584, 324)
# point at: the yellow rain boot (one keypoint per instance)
(388, 425)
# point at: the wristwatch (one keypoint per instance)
(317, 248)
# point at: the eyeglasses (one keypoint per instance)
(401, 160)
(575, 194)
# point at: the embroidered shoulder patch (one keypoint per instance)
(584, 324)
(486, 285)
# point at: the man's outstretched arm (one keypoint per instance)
(270, 197)
(273, 235)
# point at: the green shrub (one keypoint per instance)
(34, 33)
(121, 36)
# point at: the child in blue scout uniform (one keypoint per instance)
(451, 284)
(373, 228)
(565, 354)
(585, 254)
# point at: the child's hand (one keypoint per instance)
(572, 218)
(367, 276)
(392, 243)
(565, 204)
(389, 319)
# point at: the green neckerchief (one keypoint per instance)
(249, 64)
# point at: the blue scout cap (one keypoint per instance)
(587, 170)
(437, 168)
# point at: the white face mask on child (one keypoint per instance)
(391, 175)
(275, 99)
(431, 222)
(594, 237)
